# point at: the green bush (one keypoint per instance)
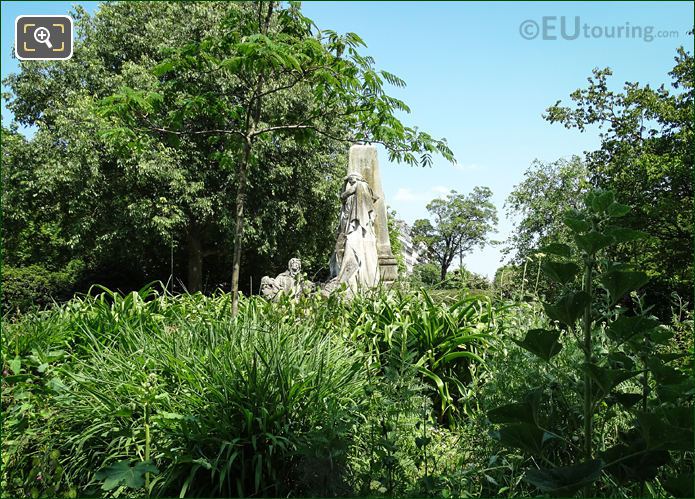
(35, 287)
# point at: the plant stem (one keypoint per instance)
(586, 327)
(147, 448)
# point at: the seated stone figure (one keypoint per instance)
(290, 281)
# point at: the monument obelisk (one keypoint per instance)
(364, 161)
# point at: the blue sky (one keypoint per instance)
(474, 79)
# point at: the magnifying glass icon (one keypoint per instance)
(42, 35)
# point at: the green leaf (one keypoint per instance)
(518, 412)
(625, 235)
(617, 210)
(665, 375)
(232, 64)
(624, 328)
(627, 400)
(565, 480)
(600, 201)
(633, 463)
(163, 68)
(542, 343)
(525, 436)
(593, 241)
(607, 378)
(620, 360)
(557, 249)
(661, 432)
(574, 221)
(620, 283)
(15, 365)
(568, 308)
(559, 272)
(660, 335)
(679, 486)
(122, 473)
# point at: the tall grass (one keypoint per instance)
(307, 397)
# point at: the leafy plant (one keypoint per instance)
(619, 342)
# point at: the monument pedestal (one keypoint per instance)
(388, 268)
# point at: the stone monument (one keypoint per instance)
(291, 281)
(363, 255)
(364, 161)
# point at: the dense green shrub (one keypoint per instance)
(35, 287)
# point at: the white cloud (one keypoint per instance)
(408, 195)
(467, 167)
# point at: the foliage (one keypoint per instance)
(35, 287)
(461, 222)
(135, 215)
(447, 341)
(425, 275)
(282, 77)
(268, 403)
(618, 342)
(540, 201)
(394, 229)
(646, 141)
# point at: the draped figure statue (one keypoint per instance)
(355, 260)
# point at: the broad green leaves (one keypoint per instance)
(593, 241)
(122, 473)
(557, 249)
(562, 273)
(525, 436)
(568, 309)
(619, 283)
(564, 481)
(541, 342)
(607, 378)
(625, 328)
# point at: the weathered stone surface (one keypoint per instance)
(355, 260)
(365, 162)
(290, 281)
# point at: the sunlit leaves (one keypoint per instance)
(557, 249)
(593, 241)
(562, 273)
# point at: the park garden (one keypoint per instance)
(212, 145)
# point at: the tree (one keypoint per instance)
(132, 213)
(461, 222)
(539, 202)
(237, 89)
(646, 157)
(538, 205)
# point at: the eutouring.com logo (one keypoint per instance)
(572, 28)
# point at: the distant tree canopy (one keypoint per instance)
(646, 158)
(127, 173)
(460, 223)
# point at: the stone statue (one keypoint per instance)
(291, 281)
(268, 288)
(355, 260)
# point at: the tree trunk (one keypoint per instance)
(239, 226)
(195, 262)
(442, 274)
